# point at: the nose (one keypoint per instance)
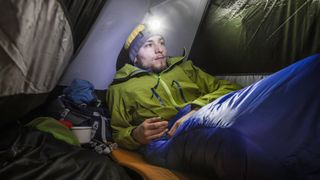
(159, 48)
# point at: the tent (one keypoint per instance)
(44, 45)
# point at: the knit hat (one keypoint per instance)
(136, 39)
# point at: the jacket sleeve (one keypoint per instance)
(121, 120)
(210, 87)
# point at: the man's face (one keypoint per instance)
(152, 55)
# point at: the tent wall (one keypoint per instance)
(241, 37)
(82, 14)
(36, 45)
(33, 56)
(95, 61)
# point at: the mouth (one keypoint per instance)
(160, 58)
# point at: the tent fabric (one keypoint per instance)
(14, 107)
(254, 37)
(243, 80)
(35, 46)
(82, 14)
(268, 130)
(38, 155)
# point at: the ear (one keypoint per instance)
(135, 61)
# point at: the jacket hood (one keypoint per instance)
(129, 71)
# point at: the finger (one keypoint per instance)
(156, 125)
(158, 135)
(151, 132)
(153, 119)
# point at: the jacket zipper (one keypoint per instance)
(167, 90)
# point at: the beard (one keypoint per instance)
(159, 67)
(155, 66)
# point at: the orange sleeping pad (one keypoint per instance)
(135, 162)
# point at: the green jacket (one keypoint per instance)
(137, 94)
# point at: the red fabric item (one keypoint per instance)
(66, 123)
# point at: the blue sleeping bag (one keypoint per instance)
(269, 130)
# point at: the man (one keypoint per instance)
(268, 130)
(148, 93)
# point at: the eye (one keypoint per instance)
(148, 45)
(162, 42)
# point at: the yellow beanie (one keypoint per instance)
(133, 35)
(136, 39)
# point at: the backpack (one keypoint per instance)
(86, 115)
(80, 106)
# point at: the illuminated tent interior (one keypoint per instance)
(44, 45)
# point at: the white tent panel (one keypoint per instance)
(96, 59)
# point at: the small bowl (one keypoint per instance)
(83, 133)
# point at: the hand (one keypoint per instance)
(149, 130)
(179, 122)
